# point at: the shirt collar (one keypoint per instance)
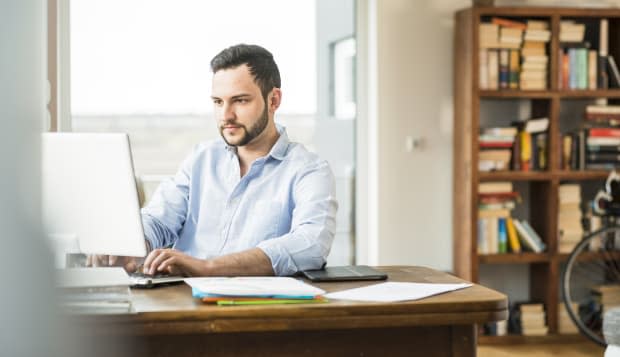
(279, 149)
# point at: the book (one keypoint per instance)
(613, 69)
(493, 187)
(502, 237)
(536, 125)
(526, 239)
(592, 71)
(504, 68)
(493, 68)
(508, 23)
(513, 239)
(525, 139)
(532, 233)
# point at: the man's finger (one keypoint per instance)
(112, 259)
(149, 260)
(166, 264)
(131, 265)
(162, 256)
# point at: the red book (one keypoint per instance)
(509, 23)
(495, 144)
(604, 132)
(602, 116)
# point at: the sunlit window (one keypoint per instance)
(142, 67)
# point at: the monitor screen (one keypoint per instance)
(89, 194)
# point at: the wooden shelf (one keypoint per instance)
(529, 94)
(515, 176)
(601, 93)
(542, 175)
(591, 256)
(542, 12)
(514, 258)
(581, 175)
(521, 340)
(547, 94)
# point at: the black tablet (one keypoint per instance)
(345, 273)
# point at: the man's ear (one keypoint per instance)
(275, 98)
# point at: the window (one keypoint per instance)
(142, 67)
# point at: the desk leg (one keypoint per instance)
(464, 341)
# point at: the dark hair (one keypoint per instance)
(259, 61)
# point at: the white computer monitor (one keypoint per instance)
(89, 195)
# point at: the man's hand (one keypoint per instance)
(129, 263)
(172, 261)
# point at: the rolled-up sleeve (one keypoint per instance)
(313, 224)
(165, 214)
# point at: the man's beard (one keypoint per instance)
(249, 135)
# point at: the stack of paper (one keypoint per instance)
(254, 290)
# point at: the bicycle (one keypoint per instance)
(591, 278)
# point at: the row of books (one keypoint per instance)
(597, 144)
(513, 54)
(579, 69)
(528, 319)
(522, 147)
(498, 232)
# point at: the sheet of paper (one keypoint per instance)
(395, 291)
(254, 286)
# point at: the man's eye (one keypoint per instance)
(217, 101)
(242, 100)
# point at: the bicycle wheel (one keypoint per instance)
(591, 281)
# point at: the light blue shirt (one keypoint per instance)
(285, 205)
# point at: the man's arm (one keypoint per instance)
(313, 224)
(250, 262)
(165, 214)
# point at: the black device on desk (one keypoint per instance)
(344, 273)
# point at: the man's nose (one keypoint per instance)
(227, 113)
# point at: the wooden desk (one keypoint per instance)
(169, 322)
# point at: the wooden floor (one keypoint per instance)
(576, 349)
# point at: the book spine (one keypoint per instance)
(502, 238)
(504, 73)
(526, 150)
(483, 71)
(613, 69)
(603, 132)
(513, 239)
(592, 71)
(582, 69)
(514, 69)
(572, 67)
(493, 67)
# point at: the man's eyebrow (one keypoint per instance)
(238, 96)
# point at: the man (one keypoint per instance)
(253, 203)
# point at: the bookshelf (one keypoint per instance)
(472, 105)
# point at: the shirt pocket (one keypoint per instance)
(264, 219)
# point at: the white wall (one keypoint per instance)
(411, 190)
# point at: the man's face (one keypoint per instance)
(239, 108)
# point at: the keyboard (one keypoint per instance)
(142, 280)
